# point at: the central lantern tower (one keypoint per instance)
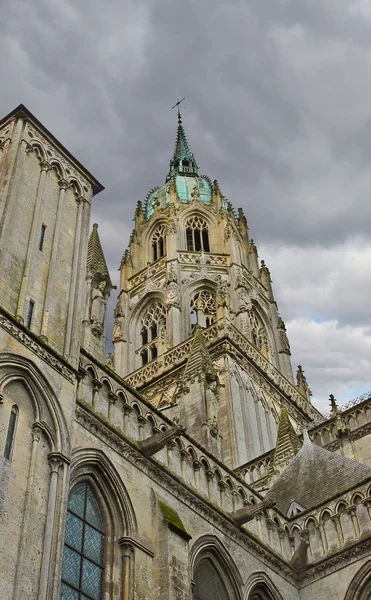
(197, 328)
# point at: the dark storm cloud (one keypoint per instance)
(277, 109)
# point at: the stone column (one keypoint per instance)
(222, 486)
(112, 399)
(96, 387)
(353, 513)
(323, 537)
(127, 559)
(210, 476)
(74, 275)
(281, 533)
(235, 497)
(270, 527)
(339, 529)
(184, 455)
(142, 421)
(259, 526)
(63, 185)
(196, 467)
(55, 461)
(36, 435)
(127, 410)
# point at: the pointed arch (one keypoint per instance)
(209, 554)
(14, 367)
(92, 465)
(272, 349)
(260, 587)
(360, 586)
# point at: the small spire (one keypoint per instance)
(287, 444)
(95, 261)
(199, 361)
(183, 161)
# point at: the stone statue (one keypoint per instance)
(110, 360)
(98, 308)
(285, 345)
(212, 402)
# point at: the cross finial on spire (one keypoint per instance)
(177, 104)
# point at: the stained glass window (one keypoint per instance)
(82, 566)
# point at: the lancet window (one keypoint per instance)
(202, 309)
(208, 583)
(258, 333)
(82, 567)
(9, 444)
(197, 235)
(159, 242)
(152, 330)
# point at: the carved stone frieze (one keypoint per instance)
(51, 154)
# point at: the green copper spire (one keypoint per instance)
(183, 161)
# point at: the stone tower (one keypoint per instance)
(191, 266)
(45, 196)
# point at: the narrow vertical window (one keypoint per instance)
(11, 432)
(82, 567)
(31, 306)
(42, 236)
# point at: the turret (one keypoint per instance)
(98, 287)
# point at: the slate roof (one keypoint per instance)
(314, 476)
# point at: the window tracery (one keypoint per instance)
(82, 566)
(258, 333)
(158, 241)
(152, 330)
(202, 309)
(197, 234)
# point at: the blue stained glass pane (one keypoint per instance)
(93, 515)
(76, 500)
(71, 567)
(93, 544)
(68, 593)
(91, 579)
(74, 532)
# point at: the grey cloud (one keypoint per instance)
(277, 109)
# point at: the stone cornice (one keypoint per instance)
(180, 490)
(36, 345)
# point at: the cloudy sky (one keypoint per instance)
(278, 109)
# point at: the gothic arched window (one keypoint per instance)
(202, 309)
(153, 327)
(260, 592)
(258, 333)
(208, 583)
(159, 242)
(197, 235)
(82, 567)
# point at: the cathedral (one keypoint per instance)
(189, 463)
